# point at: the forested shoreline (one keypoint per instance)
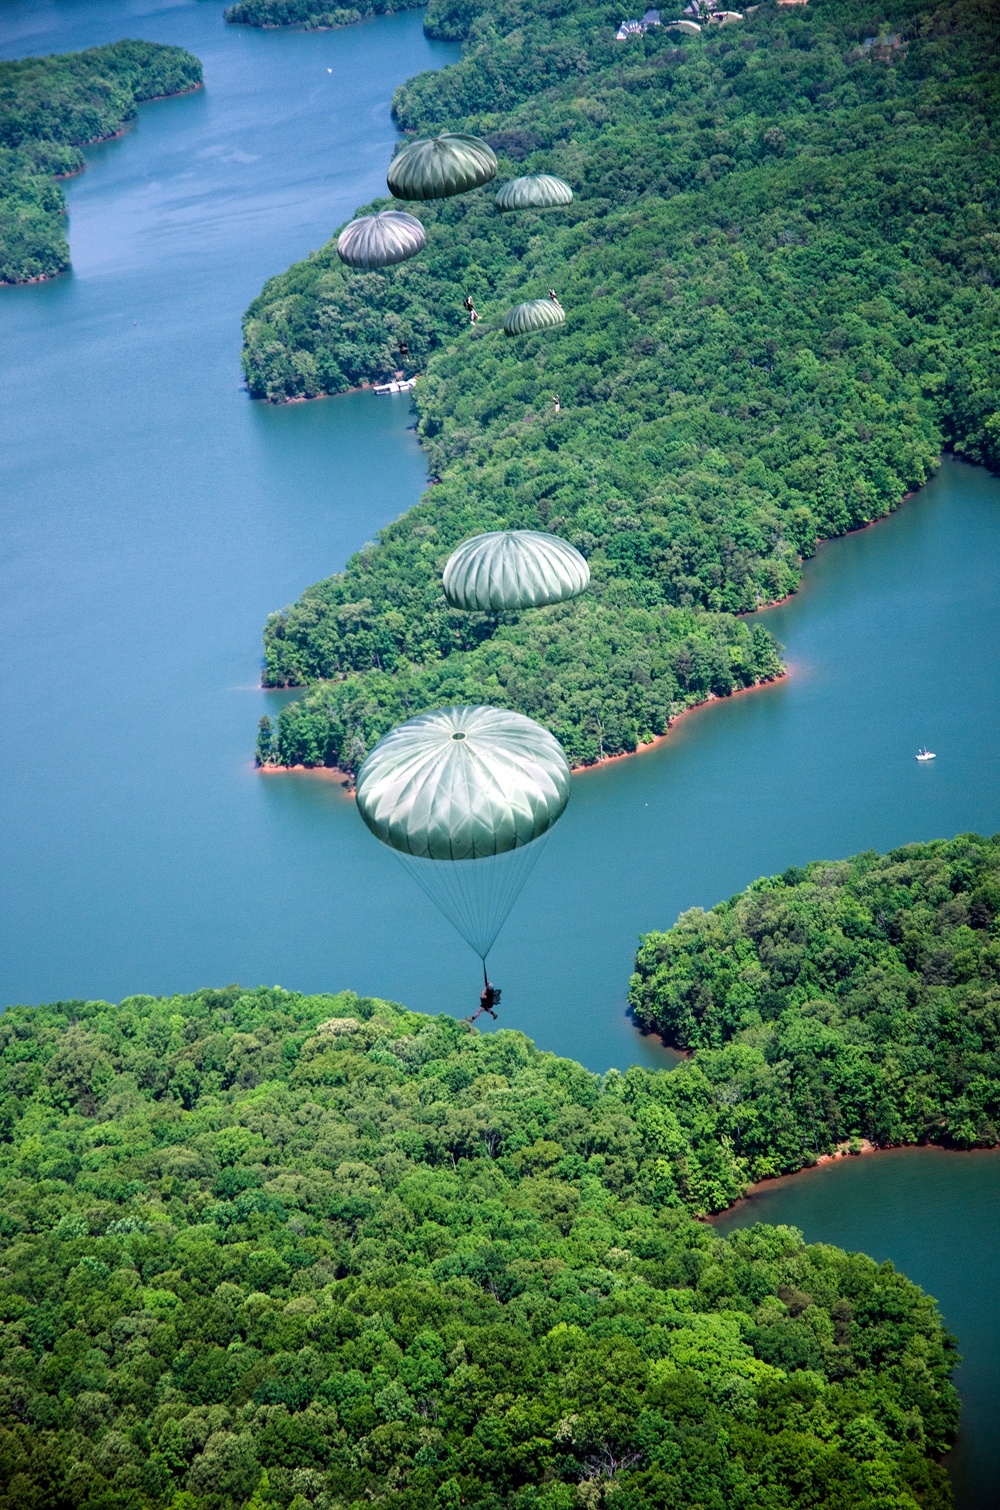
(444, 19)
(311, 15)
(779, 277)
(855, 999)
(263, 1250)
(50, 108)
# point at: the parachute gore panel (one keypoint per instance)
(537, 191)
(463, 783)
(514, 569)
(537, 314)
(381, 240)
(440, 166)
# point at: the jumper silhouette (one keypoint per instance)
(488, 999)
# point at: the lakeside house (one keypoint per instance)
(883, 42)
(696, 14)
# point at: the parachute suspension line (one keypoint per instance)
(476, 896)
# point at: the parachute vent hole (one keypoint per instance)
(458, 734)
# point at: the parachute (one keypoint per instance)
(536, 314)
(464, 795)
(514, 569)
(381, 240)
(440, 166)
(537, 191)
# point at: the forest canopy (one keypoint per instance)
(846, 1000)
(313, 15)
(265, 1250)
(448, 20)
(779, 275)
(50, 108)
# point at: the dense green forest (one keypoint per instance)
(859, 999)
(49, 109)
(779, 276)
(265, 1250)
(447, 19)
(314, 15)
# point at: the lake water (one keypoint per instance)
(153, 515)
(936, 1215)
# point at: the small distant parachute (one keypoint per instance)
(439, 166)
(514, 569)
(381, 240)
(537, 191)
(463, 795)
(536, 314)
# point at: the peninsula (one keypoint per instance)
(49, 109)
(779, 275)
(448, 20)
(846, 1001)
(264, 1251)
(311, 15)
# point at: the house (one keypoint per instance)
(883, 46)
(628, 29)
(651, 18)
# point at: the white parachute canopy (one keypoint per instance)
(514, 569)
(464, 796)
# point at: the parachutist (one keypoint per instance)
(555, 298)
(474, 314)
(488, 999)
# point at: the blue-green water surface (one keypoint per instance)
(152, 516)
(936, 1214)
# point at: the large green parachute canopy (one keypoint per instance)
(537, 314)
(463, 784)
(514, 569)
(537, 191)
(440, 166)
(381, 240)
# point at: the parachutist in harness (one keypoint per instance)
(474, 314)
(403, 349)
(488, 999)
(555, 298)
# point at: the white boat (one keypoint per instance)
(923, 754)
(402, 386)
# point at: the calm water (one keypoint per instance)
(936, 1215)
(152, 516)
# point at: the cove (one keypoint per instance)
(933, 1212)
